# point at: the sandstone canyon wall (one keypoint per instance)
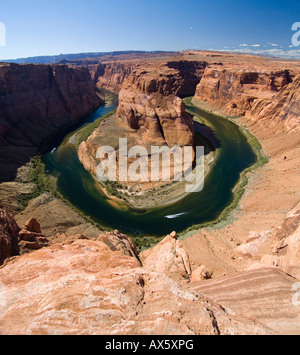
(284, 107)
(35, 102)
(111, 75)
(254, 92)
(178, 77)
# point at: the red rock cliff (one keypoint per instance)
(234, 90)
(179, 77)
(257, 93)
(285, 107)
(36, 101)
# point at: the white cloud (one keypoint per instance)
(273, 44)
(276, 52)
(249, 45)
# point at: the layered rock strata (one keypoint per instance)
(265, 295)
(83, 287)
(259, 94)
(178, 77)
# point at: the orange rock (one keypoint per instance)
(284, 107)
(260, 94)
(119, 242)
(160, 119)
(30, 245)
(86, 288)
(177, 77)
(265, 295)
(27, 236)
(168, 257)
(32, 225)
(201, 273)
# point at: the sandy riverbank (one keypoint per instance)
(272, 191)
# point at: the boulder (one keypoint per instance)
(168, 257)
(27, 236)
(202, 273)
(286, 251)
(9, 236)
(35, 245)
(286, 255)
(117, 241)
(253, 245)
(32, 225)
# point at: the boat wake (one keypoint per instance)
(173, 216)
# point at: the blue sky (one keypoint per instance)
(71, 26)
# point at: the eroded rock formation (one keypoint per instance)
(161, 120)
(148, 96)
(111, 75)
(169, 257)
(148, 101)
(286, 249)
(117, 241)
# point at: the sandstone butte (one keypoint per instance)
(240, 278)
(149, 103)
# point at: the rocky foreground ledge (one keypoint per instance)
(93, 287)
(104, 286)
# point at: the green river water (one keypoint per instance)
(233, 155)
